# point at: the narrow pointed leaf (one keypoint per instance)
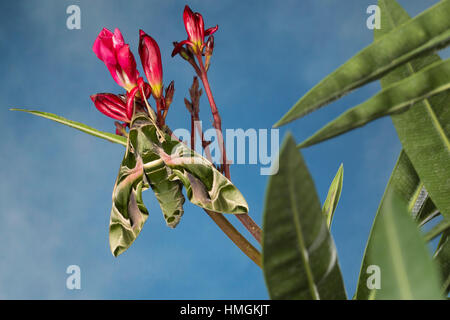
(424, 132)
(299, 256)
(427, 212)
(79, 126)
(334, 193)
(404, 180)
(405, 184)
(441, 227)
(442, 257)
(424, 129)
(397, 98)
(396, 247)
(427, 32)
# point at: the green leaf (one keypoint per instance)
(442, 257)
(441, 227)
(425, 33)
(424, 129)
(79, 126)
(397, 98)
(334, 193)
(299, 256)
(396, 247)
(404, 181)
(427, 212)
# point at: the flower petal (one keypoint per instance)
(126, 61)
(191, 25)
(200, 27)
(130, 102)
(103, 46)
(117, 39)
(179, 45)
(210, 31)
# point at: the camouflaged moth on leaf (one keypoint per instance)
(154, 159)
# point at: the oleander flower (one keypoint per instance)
(118, 58)
(195, 29)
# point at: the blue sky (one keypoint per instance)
(55, 192)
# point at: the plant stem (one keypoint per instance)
(192, 132)
(236, 237)
(159, 109)
(216, 116)
(250, 225)
(245, 219)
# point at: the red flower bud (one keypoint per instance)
(195, 29)
(209, 48)
(111, 105)
(151, 62)
(111, 49)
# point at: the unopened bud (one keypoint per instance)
(169, 94)
(111, 105)
(209, 48)
(151, 62)
(188, 105)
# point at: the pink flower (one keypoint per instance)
(195, 28)
(111, 49)
(151, 62)
(111, 105)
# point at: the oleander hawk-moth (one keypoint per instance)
(157, 160)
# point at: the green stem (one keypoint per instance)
(235, 236)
